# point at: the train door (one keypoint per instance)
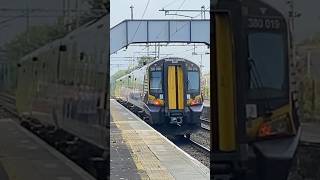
(175, 82)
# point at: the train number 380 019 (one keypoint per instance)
(264, 23)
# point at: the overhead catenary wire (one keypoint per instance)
(185, 24)
(182, 4)
(170, 3)
(201, 12)
(4, 22)
(45, 10)
(144, 12)
(11, 19)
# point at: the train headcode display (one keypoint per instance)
(264, 23)
(260, 17)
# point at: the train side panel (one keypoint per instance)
(68, 83)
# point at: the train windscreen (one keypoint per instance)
(156, 81)
(267, 68)
(193, 81)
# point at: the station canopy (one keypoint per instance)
(159, 31)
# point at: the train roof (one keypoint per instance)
(171, 58)
(39, 50)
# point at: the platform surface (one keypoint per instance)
(310, 133)
(122, 165)
(153, 155)
(206, 103)
(23, 156)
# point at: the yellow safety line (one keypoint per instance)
(148, 165)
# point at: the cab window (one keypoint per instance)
(155, 81)
(193, 81)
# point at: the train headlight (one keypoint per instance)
(155, 101)
(195, 101)
(278, 126)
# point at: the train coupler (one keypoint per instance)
(176, 120)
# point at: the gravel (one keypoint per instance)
(4, 114)
(306, 163)
(196, 152)
(202, 137)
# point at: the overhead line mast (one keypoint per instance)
(202, 11)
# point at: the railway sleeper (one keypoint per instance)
(49, 137)
(86, 155)
(71, 149)
(132, 108)
(100, 167)
(25, 124)
(36, 128)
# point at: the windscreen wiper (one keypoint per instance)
(259, 85)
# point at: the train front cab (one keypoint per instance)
(255, 125)
(174, 97)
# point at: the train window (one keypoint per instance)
(156, 80)
(267, 68)
(193, 81)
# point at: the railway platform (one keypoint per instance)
(206, 103)
(23, 156)
(140, 152)
(310, 133)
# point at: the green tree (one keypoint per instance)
(28, 41)
(97, 8)
(145, 60)
(36, 37)
(314, 40)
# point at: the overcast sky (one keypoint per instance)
(120, 10)
(306, 25)
(15, 21)
(10, 25)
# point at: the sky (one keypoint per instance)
(306, 25)
(11, 25)
(120, 10)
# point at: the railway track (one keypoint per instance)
(205, 123)
(67, 144)
(309, 144)
(194, 149)
(199, 145)
(8, 102)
